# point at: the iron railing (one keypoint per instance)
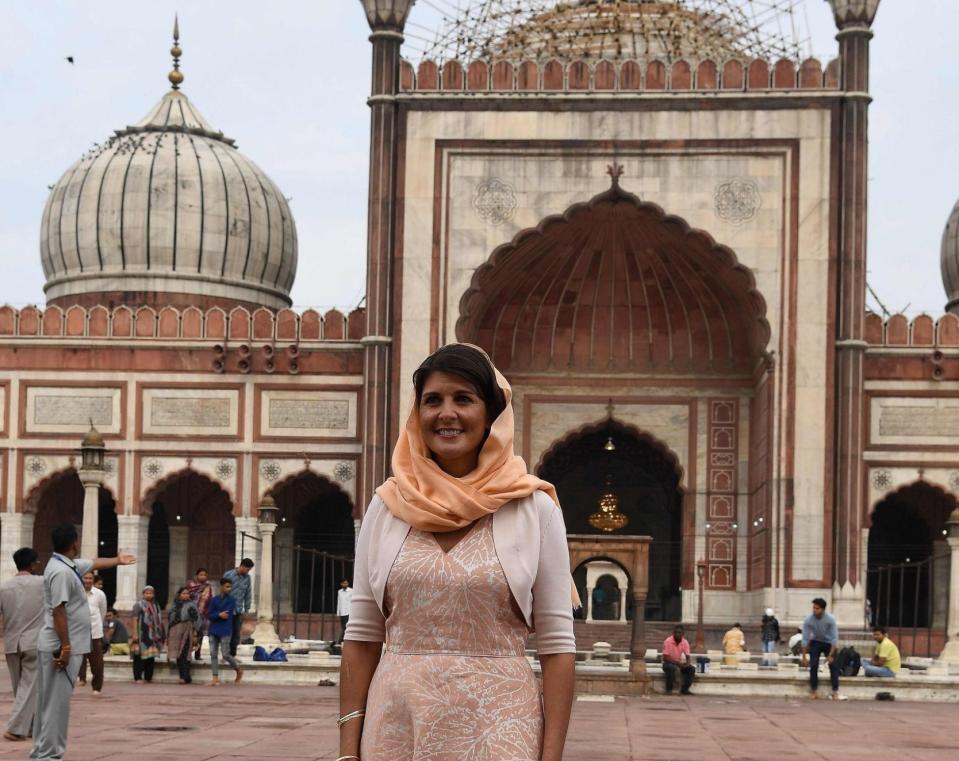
(316, 579)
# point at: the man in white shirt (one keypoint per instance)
(21, 606)
(344, 598)
(97, 601)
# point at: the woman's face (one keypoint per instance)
(148, 595)
(453, 422)
(184, 596)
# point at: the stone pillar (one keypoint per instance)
(283, 545)
(16, 531)
(90, 534)
(179, 557)
(622, 604)
(133, 536)
(950, 653)
(854, 20)
(387, 19)
(265, 633)
(588, 602)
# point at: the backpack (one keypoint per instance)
(260, 654)
(278, 655)
(848, 661)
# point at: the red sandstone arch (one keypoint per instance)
(32, 499)
(213, 490)
(298, 488)
(615, 285)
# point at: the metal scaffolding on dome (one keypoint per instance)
(611, 29)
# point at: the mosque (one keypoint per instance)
(662, 246)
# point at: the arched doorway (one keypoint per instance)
(907, 528)
(645, 476)
(191, 526)
(59, 500)
(315, 542)
(606, 589)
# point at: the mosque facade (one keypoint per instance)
(664, 253)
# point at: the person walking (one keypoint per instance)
(242, 594)
(97, 601)
(147, 637)
(344, 597)
(21, 608)
(886, 662)
(820, 636)
(221, 616)
(459, 553)
(201, 592)
(64, 639)
(184, 625)
(771, 636)
(676, 660)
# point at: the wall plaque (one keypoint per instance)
(70, 409)
(191, 411)
(307, 413)
(914, 421)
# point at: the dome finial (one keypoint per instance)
(176, 76)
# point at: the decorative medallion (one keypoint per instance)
(737, 200)
(954, 481)
(224, 469)
(882, 479)
(494, 200)
(36, 466)
(343, 471)
(270, 470)
(109, 466)
(152, 468)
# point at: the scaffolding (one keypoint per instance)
(612, 29)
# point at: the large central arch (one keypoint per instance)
(616, 285)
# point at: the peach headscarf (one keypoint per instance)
(421, 494)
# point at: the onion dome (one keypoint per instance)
(168, 211)
(950, 260)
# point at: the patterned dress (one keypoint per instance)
(454, 683)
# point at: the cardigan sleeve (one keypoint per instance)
(552, 601)
(366, 622)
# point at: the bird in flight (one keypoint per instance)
(69, 59)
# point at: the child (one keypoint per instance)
(220, 615)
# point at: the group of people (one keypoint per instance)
(818, 637)
(58, 623)
(197, 611)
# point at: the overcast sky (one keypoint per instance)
(289, 82)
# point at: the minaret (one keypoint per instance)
(387, 19)
(854, 20)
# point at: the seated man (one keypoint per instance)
(115, 637)
(734, 643)
(886, 662)
(676, 658)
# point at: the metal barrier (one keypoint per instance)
(316, 579)
(904, 602)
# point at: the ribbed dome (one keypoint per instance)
(950, 260)
(167, 211)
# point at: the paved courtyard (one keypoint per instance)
(150, 723)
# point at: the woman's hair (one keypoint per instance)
(180, 591)
(468, 363)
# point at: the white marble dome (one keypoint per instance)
(168, 211)
(950, 260)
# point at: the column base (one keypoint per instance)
(265, 635)
(950, 653)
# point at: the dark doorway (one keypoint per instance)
(321, 516)
(906, 526)
(645, 477)
(61, 501)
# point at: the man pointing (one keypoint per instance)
(64, 639)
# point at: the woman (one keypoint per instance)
(460, 553)
(147, 635)
(185, 626)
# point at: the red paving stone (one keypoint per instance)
(261, 722)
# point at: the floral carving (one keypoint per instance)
(494, 201)
(737, 200)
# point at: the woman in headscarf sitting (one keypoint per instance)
(461, 554)
(185, 626)
(147, 635)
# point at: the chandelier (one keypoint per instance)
(608, 518)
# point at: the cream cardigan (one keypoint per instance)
(530, 539)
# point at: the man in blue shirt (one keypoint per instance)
(820, 635)
(220, 615)
(242, 593)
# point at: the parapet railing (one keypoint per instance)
(921, 331)
(630, 76)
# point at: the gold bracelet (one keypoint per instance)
(349, 717)
(347, 758)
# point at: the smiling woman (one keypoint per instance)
(461, 553)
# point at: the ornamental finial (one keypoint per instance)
(176, 76)
(615, 171)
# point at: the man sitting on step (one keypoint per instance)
(886, 662)
(676, 659)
